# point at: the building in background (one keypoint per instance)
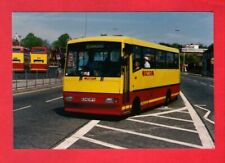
(191, 58)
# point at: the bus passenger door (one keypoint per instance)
(126, 72)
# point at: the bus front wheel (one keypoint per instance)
(136, 107)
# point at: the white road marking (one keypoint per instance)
(25, 107)
(199, 125)
(77, 135)
(161, 125)
(203, 83)
(177, 119)
(183, 111)
(160, 113)
(207, 113)
(211, 86)
(101, 143)
(202, 105)
(151, 136)
(57, 98)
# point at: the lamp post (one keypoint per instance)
(85, 24)
(184, 65)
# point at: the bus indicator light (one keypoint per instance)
(69, 98)
(111, 100)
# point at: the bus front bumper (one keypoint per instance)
(94, 103)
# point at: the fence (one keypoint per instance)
(29, 80)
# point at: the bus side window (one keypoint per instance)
(137, 62)
(170, 60)
(160, 59)
(148, 58)
(176, 60)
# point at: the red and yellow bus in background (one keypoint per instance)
(39, 59)
(20, 58)
(118, 75)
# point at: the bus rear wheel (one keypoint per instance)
(168, 98)
(136, 107)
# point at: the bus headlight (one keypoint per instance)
(68, 98)
(111, 100)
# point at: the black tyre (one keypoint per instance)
(168, 98)
(136, 107)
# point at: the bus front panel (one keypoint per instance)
(93, 82)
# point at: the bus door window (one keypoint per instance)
(128, 50)
(137, 63)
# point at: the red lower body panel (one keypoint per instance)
(155, 96)
(18, 67)
(94, 103)
(39, 67)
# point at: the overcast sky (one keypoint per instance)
(168, 27)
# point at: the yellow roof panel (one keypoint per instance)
(124, 39)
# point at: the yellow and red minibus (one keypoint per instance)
(109, 75)
(39, 59)
(20, 58)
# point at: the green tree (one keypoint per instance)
(194, 59)
(202, 46)
(46, 43)
(31, 40)
(210, 47)
(174, 45)
(62, 41)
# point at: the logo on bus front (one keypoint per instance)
(148, 73)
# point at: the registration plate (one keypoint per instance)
(88, 99)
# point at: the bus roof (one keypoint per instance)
(17, 46)
(124, 39)
(21, 48)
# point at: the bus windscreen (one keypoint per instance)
(17, 50)
(98, 59)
